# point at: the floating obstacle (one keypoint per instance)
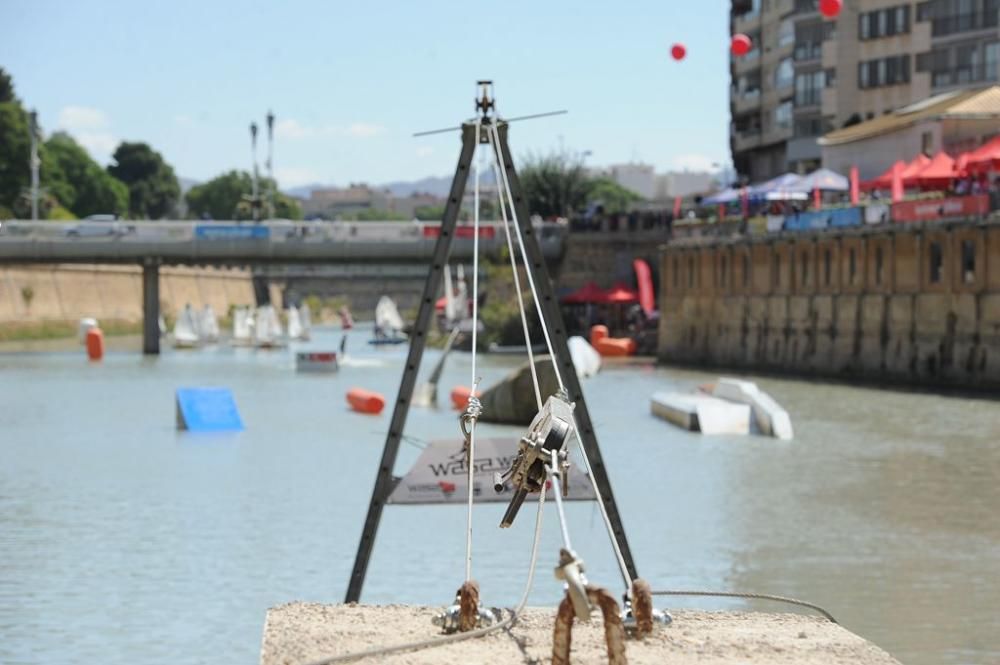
(207, 410)
(83, 326)
(460, 396)
(316, 361)
(95, 343)
(365, 401)
(701, 413)
(610, 346)
(771, 419)
(586, 359)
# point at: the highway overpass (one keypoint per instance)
(269, 247)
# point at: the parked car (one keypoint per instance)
(98, 225)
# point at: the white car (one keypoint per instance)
(99, 227)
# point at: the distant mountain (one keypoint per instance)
(303, 191)
(430, 185)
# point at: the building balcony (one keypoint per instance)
(963, 23)
(747, 139)
(746, 23)
(783, 7)
(746, 63)
(777, 134)
(803, 8)
(747, 101)
(962, 76)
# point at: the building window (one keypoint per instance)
(937, 262)
(786, 33)
(884, 22)
(783, 115)
(805, 268)
(878, 266)
(808, 87)
(893, 70)
(784, 74)
(968, 261)
(852, 266)
(826, 267)
(746, 270)
(927, 143)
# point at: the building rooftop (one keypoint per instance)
(978, 103)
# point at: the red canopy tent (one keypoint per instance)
(620, 293)
(985, 157)
(589, 293)
(883, 181)
(912, 169)
(939, 172)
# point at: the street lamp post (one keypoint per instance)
(270, 168)
(35, 164)
(255, 197)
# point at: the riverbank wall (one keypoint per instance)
(45, 293)
(915, 304)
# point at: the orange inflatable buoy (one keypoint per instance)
(365, 401)
(610, 346)
(460, 396)
(95, 344)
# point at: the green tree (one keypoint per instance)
(153, 190)
(78, 182)
(15, 147)
(610, 195)
(6, 88)
(555, 185)
(227, 196)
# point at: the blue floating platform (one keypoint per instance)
(207, 410)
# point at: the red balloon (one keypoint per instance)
(678, 51)
(830, 8)
(740, 44)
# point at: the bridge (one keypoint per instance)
(269, 247)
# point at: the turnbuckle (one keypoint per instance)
(465, 614)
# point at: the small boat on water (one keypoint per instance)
(698, 412)
(771, 419)
(295, 329)
(208, 326)
(243, 327)
(268, 333)
(316, 361)
(388, 324)
(305, 319)
(186, 329)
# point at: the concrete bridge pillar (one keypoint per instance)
(151, 308)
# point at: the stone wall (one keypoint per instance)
(914, 304)
(69, 292)
(606, 257)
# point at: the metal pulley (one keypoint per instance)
(544, 445)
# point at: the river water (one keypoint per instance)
(125, 541)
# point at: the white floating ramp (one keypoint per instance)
(770, 417)
(701, 413)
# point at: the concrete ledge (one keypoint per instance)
(298, 633)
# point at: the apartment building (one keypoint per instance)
(808, 75)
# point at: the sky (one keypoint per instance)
(350, 82)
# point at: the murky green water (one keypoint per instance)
(124, 541)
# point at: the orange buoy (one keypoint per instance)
(597, 333)
(365, 401)
(95, 344)
(615, 346)
(460, 396)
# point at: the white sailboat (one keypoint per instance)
(295, 329)
(186, 329)
(208, 326)
(242, 327)
(268, 333)
(305, 318)
(388, 323)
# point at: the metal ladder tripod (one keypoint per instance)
(384, 482)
